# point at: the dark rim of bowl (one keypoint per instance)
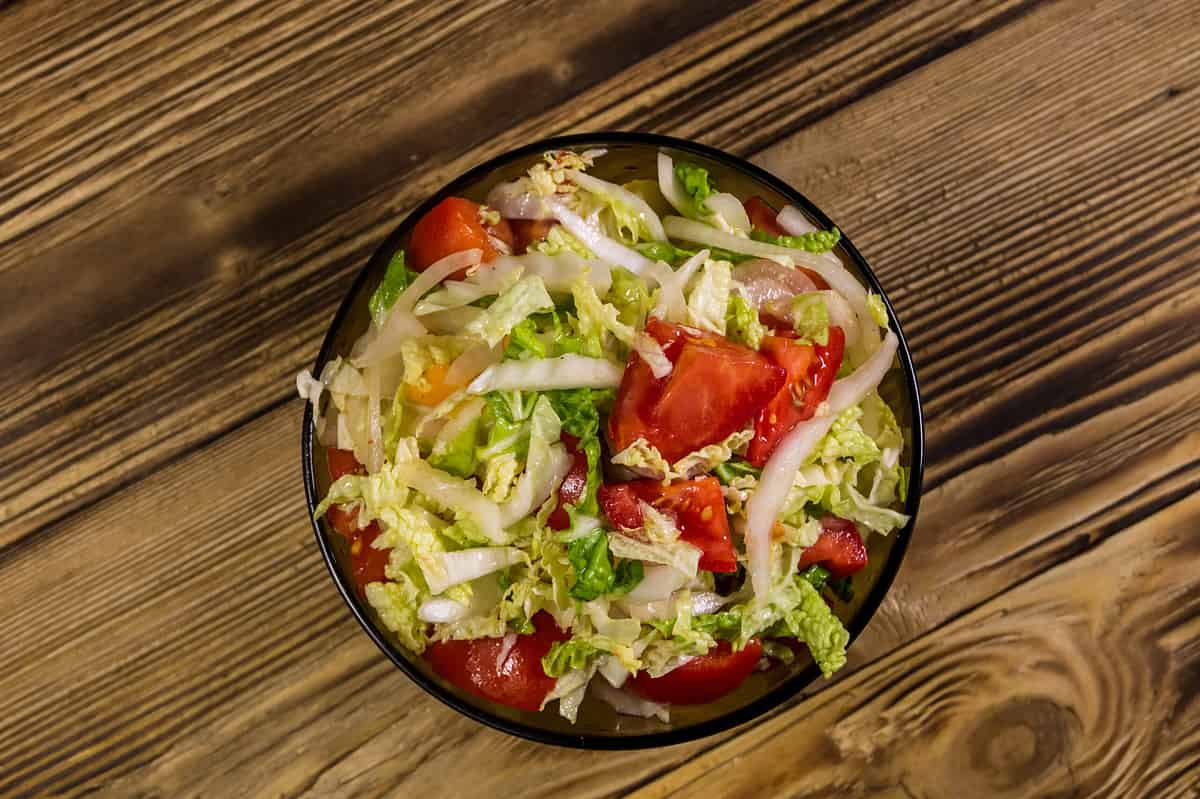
(774, 698)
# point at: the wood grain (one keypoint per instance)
(246, 285)
(1041, 692)
(1040, 251)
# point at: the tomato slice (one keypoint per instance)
(527, 232)
(714, 388)
(342, 462)
(450, 226)
(518, 681)
(703, 679)
(763, 216)
(697, 506)
(840, 548)
(811, 370)
(571, 489)
(367, 563)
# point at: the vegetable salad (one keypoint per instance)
(613, 440)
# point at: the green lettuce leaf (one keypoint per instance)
(457, 456)
(708, 302)
(697, 185)
(565, 656)
(742, 324)
(810, 620)
(395, 281)
(524, 341)
(810, 318)
(876, 309)
(818, 241)
(558, 240)
(396, 603)
(595, 575)
(527, 296)
(630, 296)
(579, 410)
(673, 255)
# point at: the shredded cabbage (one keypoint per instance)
(478, 398)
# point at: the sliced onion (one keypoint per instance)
(611, 670)
(374, 422)
(327, 426)
(546, 374)
(433, 274)
(440, 610)
(730, 210)
(559, 271)
(658, 583)
(793, 220)
(472, 362)
(644, 212)
(652, 353)
(452, 321)
(583, 527)
(765, 281)
(379, 344)
(535, 487)
(460, 419)
(840, 313)
(605, 248)
(514, 202)
(671, 305)
(762, 509)
(627, 704)
(464, 565)
(707, 602)
(669, 185)
(827, 265)
(459, 494)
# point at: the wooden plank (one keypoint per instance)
(214, 636)
(1040, 692)
(241, 286)
(180, 671)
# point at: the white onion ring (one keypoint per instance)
(762, 509)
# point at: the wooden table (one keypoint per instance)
(187, 189)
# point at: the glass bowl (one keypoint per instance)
(598, 726)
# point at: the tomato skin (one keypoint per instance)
(342, 462)
(704, 679)
(518, 682)
(714, 388)
(527, 232)
(840, 548)
(571, 489)
(367, 564)
(696, 505)
(811, 370)
(450, 226)
(763, 216)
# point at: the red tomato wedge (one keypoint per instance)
(811, 370)
(714, 388)
(367, 563)
(763, 216)
(518, 681)
(697, 506)
(528, 231)
(703, 679)
(840, 548)
(571, 489)
(450, 226)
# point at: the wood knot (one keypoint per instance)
(1016, 743)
